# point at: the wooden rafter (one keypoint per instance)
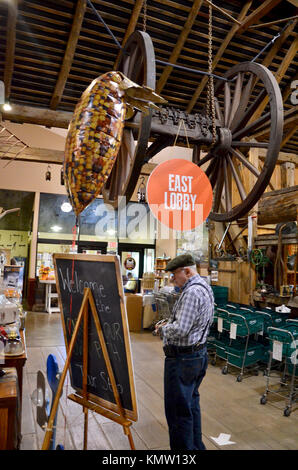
(69, 53)
(290, 119)
(131, 26)
(289, 135)
(179, 45)
(218, 56)
(278, 75)
(257, 14)
(288, 90)
(10, 45)
(275, 49)
(41, 116)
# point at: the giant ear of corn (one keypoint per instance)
(95, 133)
(93, 139)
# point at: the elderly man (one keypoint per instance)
(186, 361)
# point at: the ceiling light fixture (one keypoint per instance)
(7, 107)
(66, 207)
(56, 228)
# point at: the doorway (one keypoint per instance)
(136, 259)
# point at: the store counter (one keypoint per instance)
(9, 363)
(149, 310)
(141, 311)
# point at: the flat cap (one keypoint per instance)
(181, 261)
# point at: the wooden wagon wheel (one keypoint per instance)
(137, 62)
(236, 104)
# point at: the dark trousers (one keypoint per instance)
(183, 375)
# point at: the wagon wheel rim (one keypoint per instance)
(137, 62)
(239, 120)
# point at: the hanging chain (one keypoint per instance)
(210, 87)
(145, 16)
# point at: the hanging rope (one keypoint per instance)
(181, 121)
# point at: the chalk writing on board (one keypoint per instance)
(77, 286)
(102, 275)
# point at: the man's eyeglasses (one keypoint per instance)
(172, 276)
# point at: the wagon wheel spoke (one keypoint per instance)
(236, 98)
(243, 104)
(211, 167)
(218, 112)
(237, 179)
(122, 165)
(227, 103)
(205, 159)
(245, 162)
(252, 127)
(242, 115)
(214, 172)
(228, 198)
(218, 189)
(250, 111)
(249, 144)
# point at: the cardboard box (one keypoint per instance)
(134, 309)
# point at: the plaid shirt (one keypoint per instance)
(192, 314)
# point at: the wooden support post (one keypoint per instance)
(253, 158)
(287, 174)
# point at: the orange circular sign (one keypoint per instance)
(179, 194)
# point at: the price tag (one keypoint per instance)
(233, 331)
(277, 350)
(219, 324)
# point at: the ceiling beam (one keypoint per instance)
(69, 53)
(292, 51)
(131, 27)
(289, 135)
(289, 89)
(41, 116)
(10, 45)
(290, 119)
(278, 44)
(218, 56)
(257, 14)
(179, 45)
(48, 156)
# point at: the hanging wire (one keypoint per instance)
(104, 23)
(272, 40)
(187, 69)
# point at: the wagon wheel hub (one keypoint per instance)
(225, 140)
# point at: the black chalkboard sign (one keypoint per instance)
(101, 273)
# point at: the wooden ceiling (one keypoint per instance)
(51, 50)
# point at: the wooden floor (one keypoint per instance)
(227, 406)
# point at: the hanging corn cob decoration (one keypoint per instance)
(95, 133)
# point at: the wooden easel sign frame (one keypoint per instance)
(96, 336)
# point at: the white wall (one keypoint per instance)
(30, 176)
